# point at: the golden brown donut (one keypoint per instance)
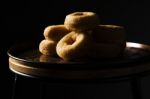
(48, 47)
(108, 41)
(73, 46)
(55, 32)
(109, 34)
(81, 21)
(112, 34)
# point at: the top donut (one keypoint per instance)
(81, 21)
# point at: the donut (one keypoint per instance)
(108, 41)
(81, 21)
(73, 46)
(48, 47)
(109, 34)
(55, 32)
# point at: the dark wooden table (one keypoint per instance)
(25, 60)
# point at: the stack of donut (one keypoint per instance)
(82, 36)
(52, 34)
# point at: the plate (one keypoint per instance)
(29, 53)
(25, 58)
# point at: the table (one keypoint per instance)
(134, 63)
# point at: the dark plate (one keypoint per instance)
(28, 53)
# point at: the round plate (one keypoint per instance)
(25, 59)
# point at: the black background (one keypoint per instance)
(25, 20)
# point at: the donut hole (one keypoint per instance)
(78, 13)
(70, 41)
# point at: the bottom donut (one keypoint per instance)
(48, 47)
